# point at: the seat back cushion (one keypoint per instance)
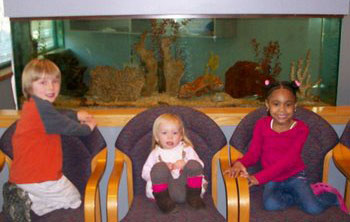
(136, 138)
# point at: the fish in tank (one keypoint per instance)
(205, 62)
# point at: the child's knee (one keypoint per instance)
(160, 173)
(194, 168)
(271, 204)
(312, 209)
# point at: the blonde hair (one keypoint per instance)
(169, 118)
(34, 70)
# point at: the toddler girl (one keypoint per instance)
(173, 170)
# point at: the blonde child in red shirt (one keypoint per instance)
(37, 154)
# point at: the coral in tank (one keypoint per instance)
(110, 85)
(173, 68)
(300, 71)
(204, 84)
(165, 28)
(246, 78)
(151, 66)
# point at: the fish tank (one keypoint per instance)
(201, 62)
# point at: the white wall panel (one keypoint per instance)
(52, 8)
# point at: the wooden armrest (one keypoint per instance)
(235, 154)
(244, 199)
(232, 196)
(243, 189)
(237, 190)
(2, 160)
(92, 209)
(113, 187)
(341, 157)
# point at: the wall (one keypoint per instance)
(110, 134)
(43, 8)
(343, 97)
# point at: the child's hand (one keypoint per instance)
(83, 116)
(252, 181)
(238, 169)
(91, 123)
(170, 166)
(179, 164)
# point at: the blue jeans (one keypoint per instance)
(296, 190)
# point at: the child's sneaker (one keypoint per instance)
(17, 203)
(320, 188)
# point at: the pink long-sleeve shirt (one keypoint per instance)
(279, 153)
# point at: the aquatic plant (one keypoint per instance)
(301, 73)
(269, 55)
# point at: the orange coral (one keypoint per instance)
(203, 84)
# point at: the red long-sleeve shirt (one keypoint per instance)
(37, 152)
(279, 153)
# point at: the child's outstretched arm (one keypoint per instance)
(252, 181)
(237, 169)
(91, 123)
(83, 116)
(86, 118)
(57, 123)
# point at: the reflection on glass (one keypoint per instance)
(208, 62)
(5, 38)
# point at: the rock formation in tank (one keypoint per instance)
(246, 78)
(109, 84)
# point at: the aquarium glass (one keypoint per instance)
(201, 62)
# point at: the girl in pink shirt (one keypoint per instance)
(277, 143)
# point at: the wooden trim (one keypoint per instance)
(232, 192)
(113, 189)
(244, 199)
(130, 181)
(229, 116)
(92, 206)
(7, 117)
(341, 157)
(5, 73)
(2, 160)
(114, 181)
(347, 193)
(326, 163)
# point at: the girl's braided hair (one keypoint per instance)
(292, 86)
